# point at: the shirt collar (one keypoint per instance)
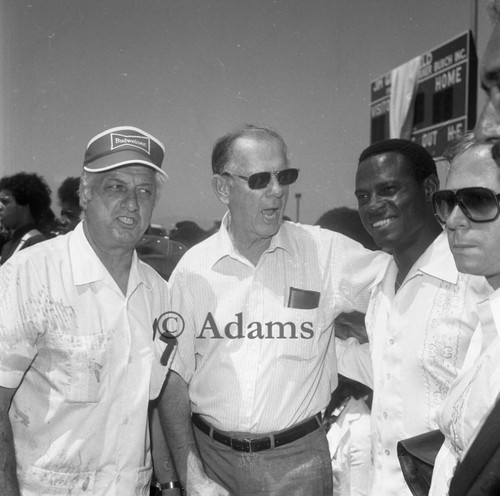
(87, 267)
(139, 274)
(225, 248)
(494, 303)
(381, 274)
(436, 261)
(489, 318)
(282, 240)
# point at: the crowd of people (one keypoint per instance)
(267, 357)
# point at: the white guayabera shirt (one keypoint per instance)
(472, 396)
(418, 339)
(83, 356)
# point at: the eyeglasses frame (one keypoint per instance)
(272, 173)
(462, 206)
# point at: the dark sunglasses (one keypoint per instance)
(260, 180)
(478, 204)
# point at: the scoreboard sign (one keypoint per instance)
(446, 96)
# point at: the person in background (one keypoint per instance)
(421, 315)
(347, 221)
(347, 422)
(4, 236)
(24, 203)
(256, 361)
(69, 202)
(82, 345)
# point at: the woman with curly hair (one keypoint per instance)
(24, 203)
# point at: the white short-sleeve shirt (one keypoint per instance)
(418, 339)
(84, 360)
(257, 348)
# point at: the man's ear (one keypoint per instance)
(85, 197)
(431, 185)
(221, 188)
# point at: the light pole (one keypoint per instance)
(298, 196)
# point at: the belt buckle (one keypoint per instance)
(244, 445)
(249, 441)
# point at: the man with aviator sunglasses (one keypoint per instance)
(256, 360)
(469, 209)
(477, 472)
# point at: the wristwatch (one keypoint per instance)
(172, 488)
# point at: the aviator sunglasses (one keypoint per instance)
(260, 180)
(478, 204)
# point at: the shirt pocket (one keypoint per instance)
(296, 334)
(79, 365)
(38, 481)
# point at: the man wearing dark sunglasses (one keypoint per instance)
(469, 209)
(477, 473)
(256, 357)
(421, 314)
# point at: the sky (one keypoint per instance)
(188, 71)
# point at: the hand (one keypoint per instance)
(205, 487)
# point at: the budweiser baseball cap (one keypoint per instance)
(124, 145)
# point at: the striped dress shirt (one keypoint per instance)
(255, 344)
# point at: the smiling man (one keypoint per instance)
(421, 314)
(256, 362)
(79, 358)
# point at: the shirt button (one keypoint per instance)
(387, 452)
(385, 414)
(391, 341)
(388, 376)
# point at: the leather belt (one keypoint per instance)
(261, 443)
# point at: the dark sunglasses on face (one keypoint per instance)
(260, 180)
(477, 204)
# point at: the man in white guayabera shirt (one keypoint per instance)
(469, 209)
(421, 315)
(81, 352)
(480, 467)
(257, 301)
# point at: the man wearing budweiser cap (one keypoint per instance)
(81, 344)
